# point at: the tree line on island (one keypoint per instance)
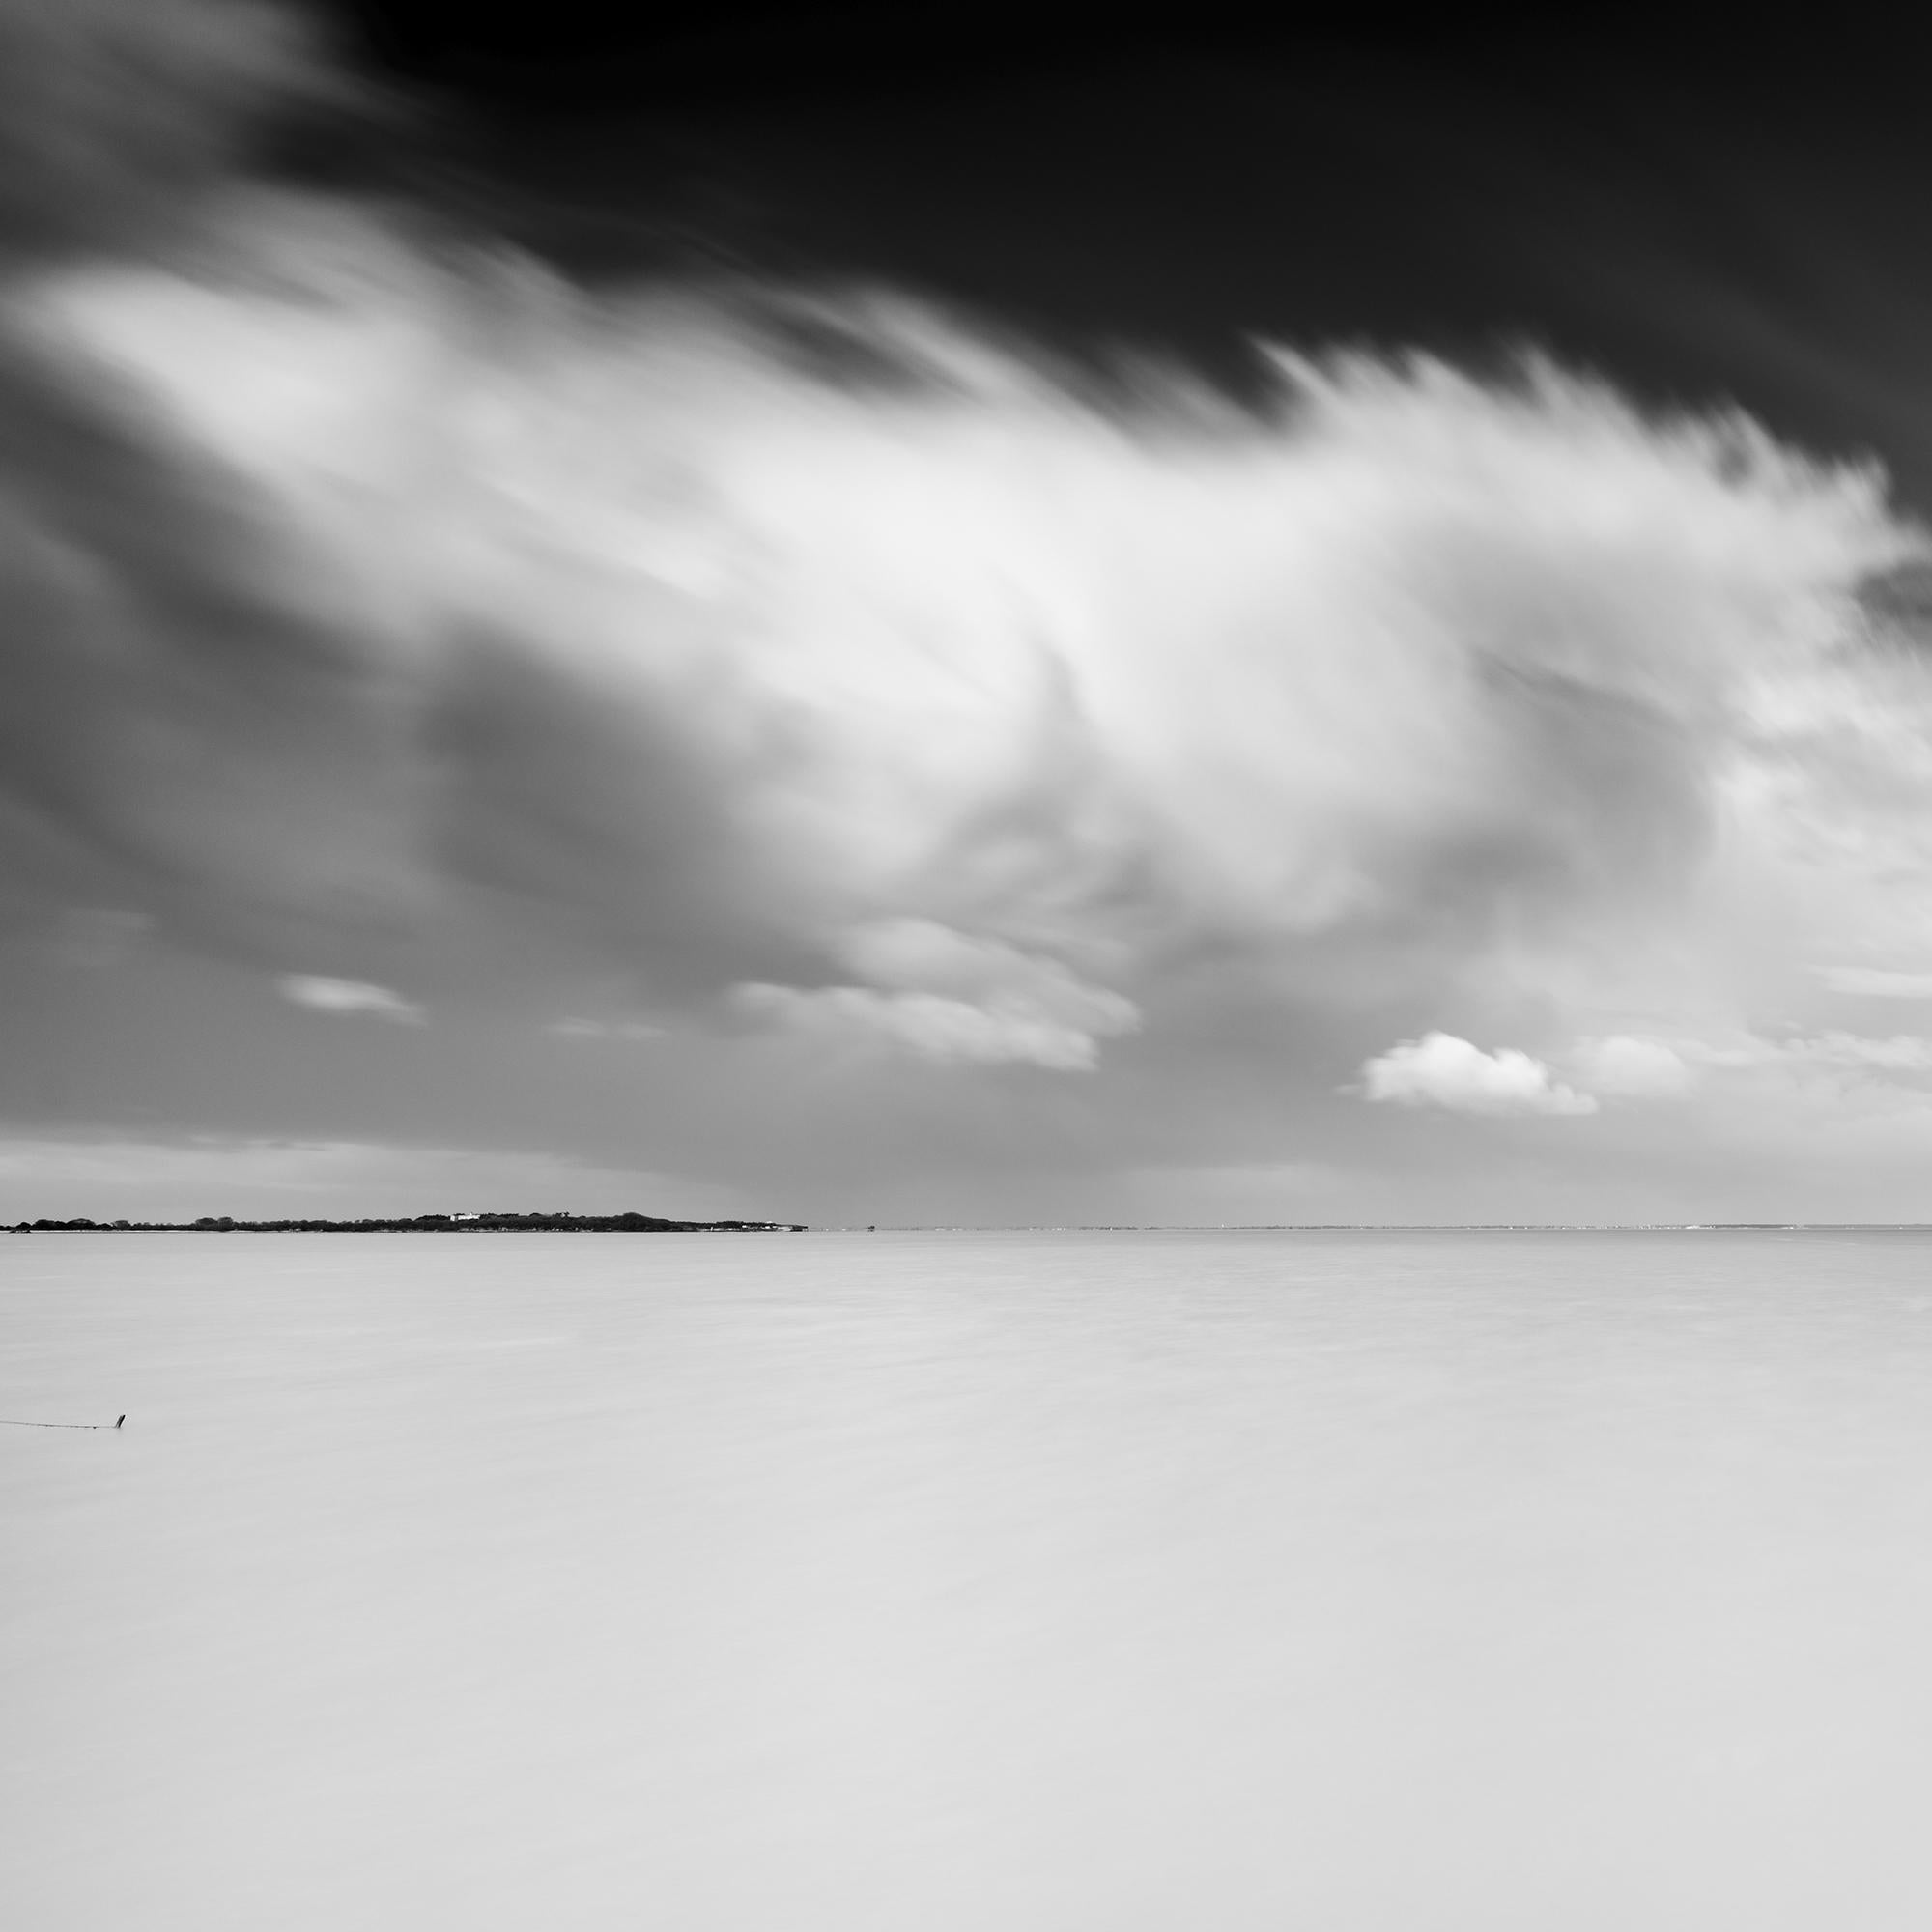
(425, 1224)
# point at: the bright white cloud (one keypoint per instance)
(347, 996)
(1441, 1070)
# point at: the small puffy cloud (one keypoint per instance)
(1875, 982)
(1630, 1067)
(347, 996)
(1441, 1070)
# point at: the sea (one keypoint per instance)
(1224, 1581)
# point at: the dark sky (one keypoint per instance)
(1701, 208)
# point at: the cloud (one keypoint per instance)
(867, 699)
(1875, 982)
(1903, 1053)
(1629, 1066)
(117, 116)
(953, 998)
(927, 1024)
(1441, 1070)
(435, 604)
(347, 996)
(829, 681)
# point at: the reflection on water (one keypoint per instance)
(1041, 1582)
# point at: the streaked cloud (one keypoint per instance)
(929, 1024)
(1901, 1052)
(1877, 982)
(951, 997)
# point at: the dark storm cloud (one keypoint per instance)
(202, 721)
(117, 116)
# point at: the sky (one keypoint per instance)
(1014, 623)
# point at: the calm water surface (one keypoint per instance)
(1071, 1582)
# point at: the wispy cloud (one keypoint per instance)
(347, 996)
(950, 996)
(582, 1029)
(1877, 982)
(927, 1024)
(1629, 1066)
(1901, 1052)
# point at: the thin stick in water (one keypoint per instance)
(8, 1422)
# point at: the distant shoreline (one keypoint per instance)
(652, 1224)
(420, 1223)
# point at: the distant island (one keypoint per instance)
(423, 1224)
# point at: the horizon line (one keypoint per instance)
(76, 1223)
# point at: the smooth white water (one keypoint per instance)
(1082, 1582)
